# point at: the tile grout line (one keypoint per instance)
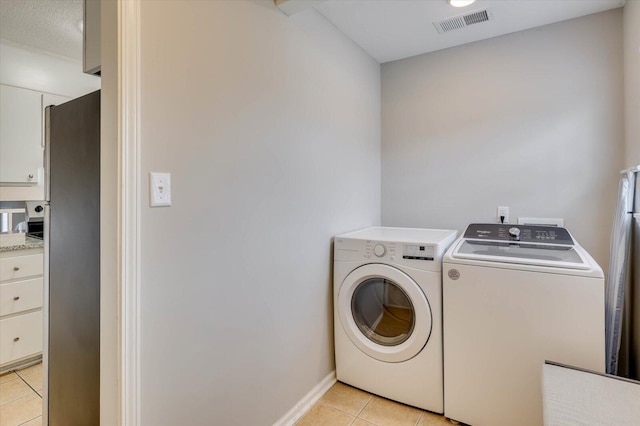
(355, 416)
(362, 409)
(18, 398)
(24, 423)
(30, 387)
(8, 373)
(319, 402)
(358, 416)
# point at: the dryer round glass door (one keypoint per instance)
(384, 312)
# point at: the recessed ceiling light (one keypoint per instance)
(460, 3)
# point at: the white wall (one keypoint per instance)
(270, 127)
(531, 120)
(632, 81)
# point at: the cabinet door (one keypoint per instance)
(18, 267)
(20, 336)
(21, 296)
(91, 33)
(21, 151)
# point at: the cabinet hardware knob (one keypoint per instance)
(30, 176)
(16, 298)
(16, 268)
(15, 339)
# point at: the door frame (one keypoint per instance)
(120, 213)
(129, 196)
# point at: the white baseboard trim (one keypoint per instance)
(307, 401)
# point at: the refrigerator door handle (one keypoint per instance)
(46, 310)
(47, 153)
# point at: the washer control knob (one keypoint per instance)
(379, 250)
(515, 233)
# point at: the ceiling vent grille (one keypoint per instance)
(462, 21)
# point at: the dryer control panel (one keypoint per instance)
(380, 249)
(384, 249)
(522, 233)
(418, 252)
(421, 249)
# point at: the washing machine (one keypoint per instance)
(515, 296)
(388, 313)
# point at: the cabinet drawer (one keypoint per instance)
(12, 268)
(20, 336)
(20, 296)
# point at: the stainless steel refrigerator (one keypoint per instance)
(72, 262)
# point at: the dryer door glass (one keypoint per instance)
(382, 311)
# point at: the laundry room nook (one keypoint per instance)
(338, 212)
(317, 119)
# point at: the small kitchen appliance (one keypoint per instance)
(35, 218)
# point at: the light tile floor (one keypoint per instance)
(344, 405)
(21, 397)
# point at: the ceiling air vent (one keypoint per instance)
(462, 21)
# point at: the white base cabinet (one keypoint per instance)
(21, 301)
(20, 337)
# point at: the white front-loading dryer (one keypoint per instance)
(388, 313)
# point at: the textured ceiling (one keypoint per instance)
(50, 25)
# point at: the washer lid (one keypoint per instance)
(554, 255)
(384, 312)
(534, 245)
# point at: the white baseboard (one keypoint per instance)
(307, 401)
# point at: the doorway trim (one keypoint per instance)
(129, 197)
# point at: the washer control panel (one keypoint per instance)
(521, 233)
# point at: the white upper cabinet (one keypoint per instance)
(21, 143)
(91, 34)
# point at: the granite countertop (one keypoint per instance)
(30, 243)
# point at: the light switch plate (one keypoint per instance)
(159, 189)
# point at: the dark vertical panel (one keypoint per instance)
(74, 271)
(633, 307)
(629, 354)
(635, 283)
